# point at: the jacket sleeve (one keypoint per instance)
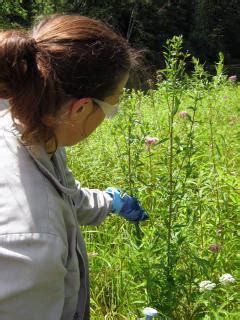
(31, 277)
(92, 205)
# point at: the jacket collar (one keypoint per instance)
(37, 152)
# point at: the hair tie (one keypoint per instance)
(33, 45)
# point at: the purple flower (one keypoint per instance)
(233, 78)
(183, 114)
(151, 141)
(214, 247)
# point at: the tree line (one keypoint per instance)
(207, 26)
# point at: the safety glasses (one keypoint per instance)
(109, 110)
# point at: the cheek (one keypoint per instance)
(93, 121)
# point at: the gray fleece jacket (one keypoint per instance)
(43, 259)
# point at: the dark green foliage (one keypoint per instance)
(216, 26)
(207, 26)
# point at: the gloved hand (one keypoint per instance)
(126, 206)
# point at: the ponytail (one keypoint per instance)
(24, 81)
(17, 62)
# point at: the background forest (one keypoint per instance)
(207, 26)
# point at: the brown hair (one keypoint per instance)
(63, 57)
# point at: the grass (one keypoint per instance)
(189, 184)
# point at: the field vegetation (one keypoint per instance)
(177, 148)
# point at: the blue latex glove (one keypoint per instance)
(126, 206)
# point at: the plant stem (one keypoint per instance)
(216, 187)
(151, 178)
(138, 231)
(201, 228)
(170, 169)
(130, 160)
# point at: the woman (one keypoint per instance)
(61, 80)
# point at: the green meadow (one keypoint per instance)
(187, 179)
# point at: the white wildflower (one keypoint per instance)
(150, 312)
(226, 278)
(206, 285)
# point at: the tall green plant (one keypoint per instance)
(174, 73)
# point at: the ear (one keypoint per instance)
(80, 108)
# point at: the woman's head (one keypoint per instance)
(64, 61)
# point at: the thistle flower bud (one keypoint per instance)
(151, 141)
(183, 114)
(214, 247)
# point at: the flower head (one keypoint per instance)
(183, 114)
(214, 247)
(226, 279)
(206, 285)
(150, 312)
(150, 141)
(233, 78)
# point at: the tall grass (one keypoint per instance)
(188, 182)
